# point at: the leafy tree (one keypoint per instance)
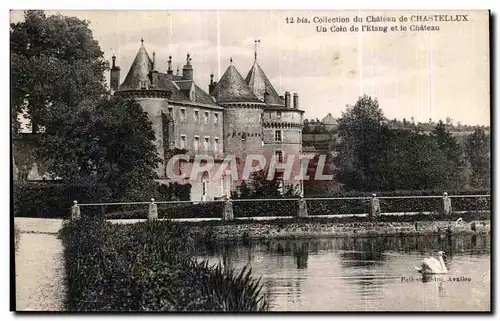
(453, 153)
(478, 150)
(54, 59)
(360, 127)
(108, 141)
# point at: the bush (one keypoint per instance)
(360, 206)
(147, 267)
(181, 210)
(53, 199)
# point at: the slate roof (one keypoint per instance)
(233, 88)
(179, 87)
(329, 120)
(139, 71)
(260, 84)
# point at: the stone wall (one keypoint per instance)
(364, 229)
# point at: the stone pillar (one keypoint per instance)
(446, 204)
(302, 212)
(227, 211)
(374, 207)
(75, 211)
(153, 211)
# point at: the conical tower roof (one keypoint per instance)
(138, 73)
(260, 84)
(233, 88)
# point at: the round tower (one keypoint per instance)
(282, 120)
(242, 115)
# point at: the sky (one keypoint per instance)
(423, 75)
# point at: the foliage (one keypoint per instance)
(478, 155)
(54, 60)
(258, 186)
(377, 156)
(109, 141)
(148, 267)
(57, 71)
(182, 210)
(360, 127)
(54, 199)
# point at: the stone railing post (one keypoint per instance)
(75, 211)
(153, 211)
(227, 211)
(374, 207)
(302, 212)
(446, 204)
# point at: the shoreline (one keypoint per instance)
(308, 230)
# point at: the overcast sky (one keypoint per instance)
(412, 74)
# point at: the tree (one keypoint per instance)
(106, 141)
(54, 59)
(478, 155)
(453, 153)
(360, 127)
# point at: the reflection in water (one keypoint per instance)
(356, 274)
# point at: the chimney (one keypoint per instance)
(287, 99)
(154, 73)
(266, 98)
(114, 76)
(212, 84)
(295, 101)
(169, 70)
(187, 70)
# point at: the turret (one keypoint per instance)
(114, 75)
(187, 70)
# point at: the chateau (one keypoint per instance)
(235, 116)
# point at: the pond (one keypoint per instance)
(364, 274)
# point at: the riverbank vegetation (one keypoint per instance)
(148, 267)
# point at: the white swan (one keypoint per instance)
(432, 266)
(459, 221)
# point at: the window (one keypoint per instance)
(279, 156)
(206, 143)
(183, 141)
(216, 118)
(183, 115)
(196, 116)
(278, 114)
(196, 143)
(277, 136)
(216, 143)
(205, 119)
(170, 111)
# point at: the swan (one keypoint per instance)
(431, 265)
(459, 221)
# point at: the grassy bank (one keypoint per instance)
(148, 267)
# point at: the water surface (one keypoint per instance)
(364, 274)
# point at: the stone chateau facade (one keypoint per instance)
(235, 116)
